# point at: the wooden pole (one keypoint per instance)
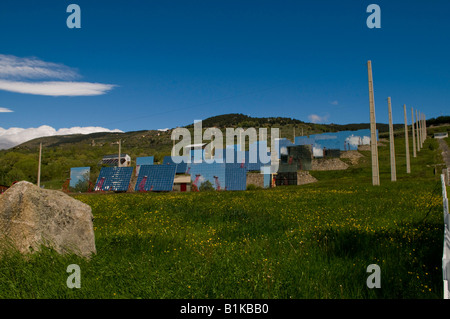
(391, 143)
(120, 146)
(421, 125)
(419, 121)
(373, 133)
(173, 148)
(39, 166)
(425, 125)
(408, 163)
(417, 131)
(413, 133)
(424, 130)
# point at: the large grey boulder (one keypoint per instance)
(31, 216)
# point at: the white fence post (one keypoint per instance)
(444, 190)
(446, 173)
(446, 252)
(447, 176)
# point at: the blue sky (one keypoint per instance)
(162, 64)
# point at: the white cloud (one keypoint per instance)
(314, 118)
(317, 151)
(26, 75)
(5, 110)
(15, 135)
(56, 88)
(33, 68)
(334, 102)
(358, 140)
(201, 179)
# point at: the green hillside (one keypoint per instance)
(60, 153)
(312, 241)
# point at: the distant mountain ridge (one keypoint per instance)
(286, 125)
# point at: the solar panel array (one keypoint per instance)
(157, 178)
(299, 156)
(236, 156)
(208, 172)
(283, 144)
(235, 177)
(114, 179)
(251, 159)
(227, 176)
(257, 156)
(79, 175)
(112, 160)
(230, 153)
(332, 153)
(286, 178)
(267, 180)
(286, 167)
(197, 155)
(181, 167)
(251, 164)
(343, 140)
(147, 160)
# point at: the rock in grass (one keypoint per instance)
(31, 217)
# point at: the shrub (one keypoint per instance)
(252, 187)
(206, 186)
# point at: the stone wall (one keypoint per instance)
(353, 156)
(303, 177)
(256, 179)
(328, 164)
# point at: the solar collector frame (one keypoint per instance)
(158, 178)
(235, 177)
(212, 172)
(181, 167)
(114, 179)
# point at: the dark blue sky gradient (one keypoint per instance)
(177, 61)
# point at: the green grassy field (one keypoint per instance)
(310, 241)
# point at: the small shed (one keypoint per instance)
(441, 135)
(112, 160)
(182, 183)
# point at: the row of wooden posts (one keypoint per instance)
(419, 134)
